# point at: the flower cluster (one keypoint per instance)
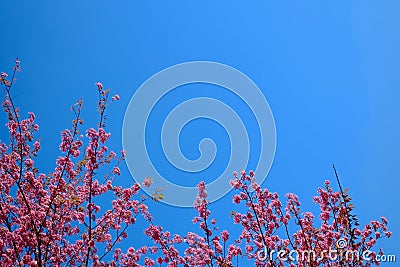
(55, 219)
(265, 215)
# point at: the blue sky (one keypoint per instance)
(329, 70)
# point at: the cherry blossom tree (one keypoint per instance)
(55, 219)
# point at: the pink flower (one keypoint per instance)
(225, 235)
(103, 135)
(148, 262)
(177, 239)
(4, 75)
(99, 85)
(36, 145)
(116, 170)
(147, 182)
(115, 98)
(249, 249)
(29, 163)
(357, 231)
(235, 183)
(236, 199)
(324, 216)
(202, 190)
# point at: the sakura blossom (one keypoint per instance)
(147, 182)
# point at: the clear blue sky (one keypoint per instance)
(329, 70)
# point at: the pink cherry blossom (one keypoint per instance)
(147, 182)
(225, 235)
(99, 85)
(117, 171)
